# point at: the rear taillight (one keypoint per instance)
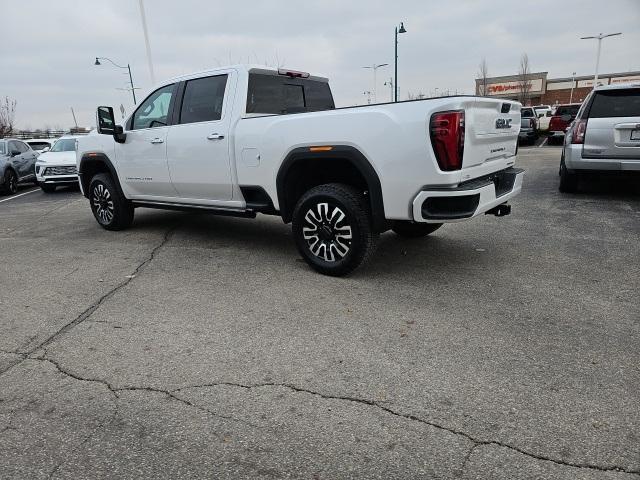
(447, 138)
(579, 129)
(553, 123)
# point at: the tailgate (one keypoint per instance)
(491, 130)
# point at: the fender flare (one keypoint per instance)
(342, 152)
(92, 158)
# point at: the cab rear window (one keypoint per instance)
(616, 103)
(279, 94)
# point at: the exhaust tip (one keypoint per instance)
(500, 210)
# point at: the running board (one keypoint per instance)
(231, 212)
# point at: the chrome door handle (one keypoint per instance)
(157, 140)
(215, 136)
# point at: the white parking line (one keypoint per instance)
(543, 142)
(20, 195)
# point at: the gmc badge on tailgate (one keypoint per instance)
(503, 123)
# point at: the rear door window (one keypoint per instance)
(279, 94)
(203, 98)
(615, 103)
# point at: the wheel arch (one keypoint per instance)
(93, 163)
(300, 171)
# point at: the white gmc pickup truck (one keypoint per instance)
(243, 140)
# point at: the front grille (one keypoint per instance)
(53, 171)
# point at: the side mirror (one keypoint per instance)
(15, 153)
(107, 124)
(106, 121)
(565, 118)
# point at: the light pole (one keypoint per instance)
(401, 29)
(133, 91)
(146, 42)
(375, 67)
(599, 37)
(573, 82)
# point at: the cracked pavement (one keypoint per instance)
(199, 346)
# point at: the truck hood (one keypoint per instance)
(58, 159)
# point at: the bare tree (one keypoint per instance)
(524, 80)
(7, 116)
(483, 74)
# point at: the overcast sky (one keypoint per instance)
(47, 48)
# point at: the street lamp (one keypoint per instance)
(401, 29)
(599, 37)
(375, 67)
(133, 91)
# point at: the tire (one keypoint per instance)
(409, 229)
(47, 188)
(10, 184)
(110, 208)
(568, 180)
(332, 229)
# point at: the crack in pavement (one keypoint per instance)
(477, 442)
(173, 394)
(93, 307)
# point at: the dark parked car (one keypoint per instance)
(17, 164)
(528, 133)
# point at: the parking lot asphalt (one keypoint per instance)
(203, 346)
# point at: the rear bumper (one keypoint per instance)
(574, 160)
(467, 200)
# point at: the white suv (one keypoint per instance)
(57, 167)
(604, 136)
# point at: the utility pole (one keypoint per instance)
(398, 30)
(375, 67)
(390, 83)
(573, 82)
(74, 117)
(599, 37)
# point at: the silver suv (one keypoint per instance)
(604, 136)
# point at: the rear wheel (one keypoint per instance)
(110, 208)
(10, 184)
(332, 229)
(409, 229)
(47, 188)
(568, 180)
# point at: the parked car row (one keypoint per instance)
(45, 162)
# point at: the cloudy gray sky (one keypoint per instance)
(47, 48)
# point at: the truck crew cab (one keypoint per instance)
(243, 140)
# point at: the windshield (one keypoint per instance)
(567, 110)
(64, 145)
(39, 145)
(277, 94)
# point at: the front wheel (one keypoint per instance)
(409, 229)
(332, 229)
(110, 208)
(10, 182)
